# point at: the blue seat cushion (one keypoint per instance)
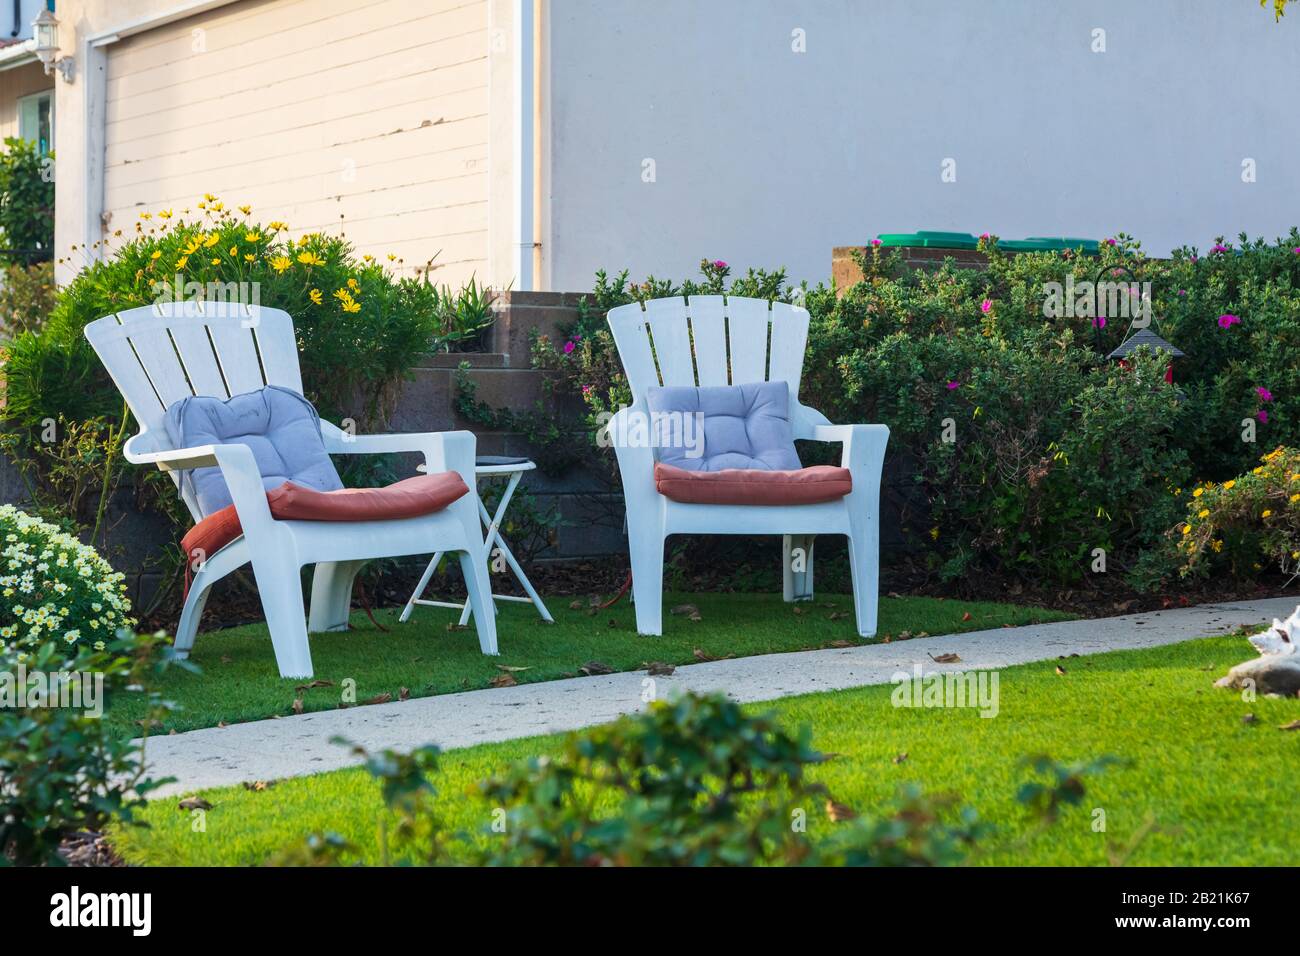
(717, 427)
(279, 425)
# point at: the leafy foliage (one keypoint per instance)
(26, 203)
(62, 769)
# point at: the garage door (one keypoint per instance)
(368, 117)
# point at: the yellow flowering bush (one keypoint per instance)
(1244, 525)
(54, 588)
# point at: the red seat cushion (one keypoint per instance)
(753, 486)
(408, 498)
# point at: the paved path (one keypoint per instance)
(293, 746)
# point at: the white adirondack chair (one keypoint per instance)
(159, 354)
(715, 341)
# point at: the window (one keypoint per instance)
(36, 120)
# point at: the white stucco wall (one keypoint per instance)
(767, 157)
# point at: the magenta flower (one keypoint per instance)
(1264, 394)
(1227, 320)
(586, 391)
(985, 235)
(986, 306)
(953, 385)
(875, 242)
(1219, 248)
(1111, 242)
(1182, 292)
(568, 347)
(1296, 250)
(1262, 416)
(1099, 321)
(719, 264)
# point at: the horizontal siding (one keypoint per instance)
(367, 117)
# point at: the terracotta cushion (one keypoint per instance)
(746, 486)
(409, 498)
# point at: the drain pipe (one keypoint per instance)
(525, 91)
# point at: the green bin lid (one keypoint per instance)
(929, 239)
(1029, 245)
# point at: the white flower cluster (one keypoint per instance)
(54, 587)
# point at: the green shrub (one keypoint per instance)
(26, 203)
(27, 296)
(54, 589)
(62, 770)
(1245, 524)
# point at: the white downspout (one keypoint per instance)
(524, 157)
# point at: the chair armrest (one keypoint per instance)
(237, 464)
(864, 446)
(141, 449)
(442, 451)
(636, 457)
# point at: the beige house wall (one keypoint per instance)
(374, 118)
(14, 84)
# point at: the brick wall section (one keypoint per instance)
(845, 271)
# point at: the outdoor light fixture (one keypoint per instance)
(46, 31)
(1152, 341)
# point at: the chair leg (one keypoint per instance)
(331, 595)
(419, 588)
(480, 601)
(797, 567)
(188, 628)
(864, 561)
(647, 552)
(279, 582)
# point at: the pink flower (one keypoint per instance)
(1262, 416)
(1111, 242)
(719, 264)
(1182, 292)
(1099, 321)
(1296, 250)
(1264, 394)
(953, 385)
(586, 391)
(986, 306)
(1218, 248)
(985, 235)
(568, 347)
(1227, 320)
(875, 242)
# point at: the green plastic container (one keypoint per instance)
(1061, 243)
(929, 239)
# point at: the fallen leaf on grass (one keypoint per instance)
(699, 655)
(151, 723)
(839, 812)
(1249, 719)
(592, 668)
(660, 669)
(1294, 725)
(840, 643)
(511, 669)
(949, 658)
(899, 758)
(316, 683)
(966, 616)
(689, 611)
(383, 698)
(296, 707)
(503, 680)
(257, 786)
(837, 615)
(403, 693)
(453, 626)
(1060, 670)
(576, 605)
(227, 660)
(194, 803)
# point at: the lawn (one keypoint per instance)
(1201, 786)
(239, 680)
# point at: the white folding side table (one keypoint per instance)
(487, 466)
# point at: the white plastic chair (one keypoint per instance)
(159, 354)
(715, 341)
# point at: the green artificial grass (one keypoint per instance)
(1200, 787)
(239, 680)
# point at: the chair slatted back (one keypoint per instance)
(160, 354)
(710, 340)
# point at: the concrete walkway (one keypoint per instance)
(293, 746)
